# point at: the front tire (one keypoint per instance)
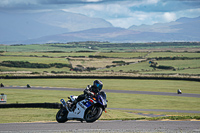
(93, 114)
(61, 115)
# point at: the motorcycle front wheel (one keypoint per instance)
(93, 114)
(61, 115)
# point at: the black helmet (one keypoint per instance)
(98, 84)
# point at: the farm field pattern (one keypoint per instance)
(101, 61)
(84, 60)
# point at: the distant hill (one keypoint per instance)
(184, 29)
(17, 27)
(62, 27)
(96, 34)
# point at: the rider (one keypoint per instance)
(91, 90)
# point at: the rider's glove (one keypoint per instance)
(91, 93)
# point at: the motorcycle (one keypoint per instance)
(90, 109)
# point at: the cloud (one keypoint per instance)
(169, 16)
(16, 3)
(126, 13)
(121, 13)
(92, 0)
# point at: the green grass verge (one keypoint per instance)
(131, 101)
(116, 100)
(44, 115)
(175, 118)
(27, 115)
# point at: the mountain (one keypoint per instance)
(72, 21)
(95, 34)
(171, 27)
(62, 27)
(184, 29)
(15, 27)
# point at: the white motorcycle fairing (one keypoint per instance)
(90, 109)
(80, 109)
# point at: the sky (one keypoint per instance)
(120, 13)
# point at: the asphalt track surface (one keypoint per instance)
(117, 126)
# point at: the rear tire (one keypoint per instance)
(93, 114)
(61, 115)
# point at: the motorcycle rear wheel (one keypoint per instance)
(93, 114)
(61, 115)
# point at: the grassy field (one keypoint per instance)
(187, 71)
(116, 100)
(98, 63)
(123, 54)
(44, 54)
(49, 54)
(181, 64)
(86, 54)
(173, 54)
(34, 48)
(131, 101)
(192, 66)
(127, 53)
(102, 46)
(140, 67)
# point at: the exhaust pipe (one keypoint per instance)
(63, 103)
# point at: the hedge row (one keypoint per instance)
(32, 105)
(26, 64)
(103, 77)
(175, 58)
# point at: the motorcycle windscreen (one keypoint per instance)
(103, 94)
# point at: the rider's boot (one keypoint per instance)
(72, 105)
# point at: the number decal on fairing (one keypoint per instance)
(82, 106)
